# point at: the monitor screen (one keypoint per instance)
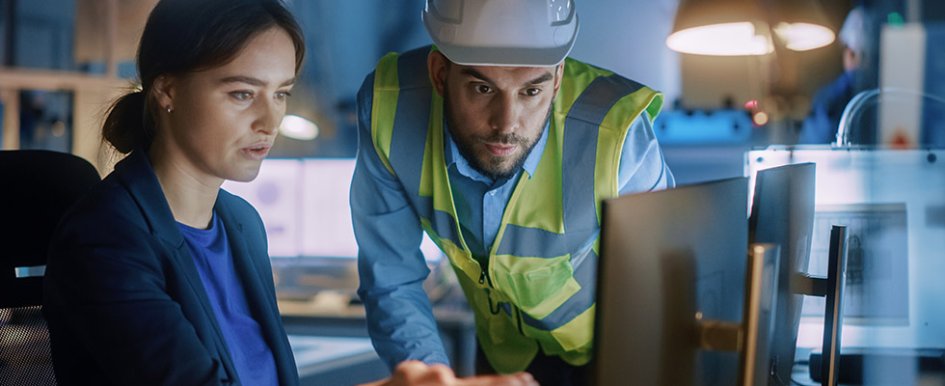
(877, 275)
(665, 257)
(275, 193)
(326, 210)
(305, 208)
(782, 213)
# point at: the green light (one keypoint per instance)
(895, 19)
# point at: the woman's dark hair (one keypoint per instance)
(183, 36)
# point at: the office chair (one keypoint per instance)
(38, 187)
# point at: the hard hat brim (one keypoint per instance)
(510, 56)
(474, 45)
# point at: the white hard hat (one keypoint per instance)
(502, 32)
(853, 32)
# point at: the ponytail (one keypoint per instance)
(128, 125)
(184, 36)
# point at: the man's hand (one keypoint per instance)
(416, 373)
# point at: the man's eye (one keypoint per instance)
(532, 91)
(483, 89)
(241, 95)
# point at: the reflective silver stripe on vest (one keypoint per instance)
(580, 215)
(442, 222)
(584, 273)
(581, 133)
(409, 138)
(582, 127)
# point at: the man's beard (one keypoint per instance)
(492, 166)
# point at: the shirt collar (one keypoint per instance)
(453, 156)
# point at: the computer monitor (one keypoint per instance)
(782, 213)
(666, 258)
(761, 301)
(276, 193)
(893, 199)
(877, 286)
(304, 205)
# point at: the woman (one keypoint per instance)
(158, 276)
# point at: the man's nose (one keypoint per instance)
(504, 114)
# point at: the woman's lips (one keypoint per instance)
(257, 152)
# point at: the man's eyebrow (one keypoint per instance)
(252, 81)
(474, 73)
(542, 79)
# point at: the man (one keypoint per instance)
(501, 150)
(829, 102)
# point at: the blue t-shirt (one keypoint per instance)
(249, 351)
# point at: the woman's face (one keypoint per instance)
(224, 119)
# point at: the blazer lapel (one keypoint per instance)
(138, 177)
(257, 291)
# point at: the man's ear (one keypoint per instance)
(437, 65)
(559, 74)
(162, 90)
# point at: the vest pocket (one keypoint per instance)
(536, 285)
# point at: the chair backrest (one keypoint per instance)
(36, 188)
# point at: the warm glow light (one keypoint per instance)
(296, 127)
(760, 118)
(804, 36)
(727, 39)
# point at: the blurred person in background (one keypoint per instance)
(820, 126)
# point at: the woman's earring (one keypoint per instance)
(169, 109)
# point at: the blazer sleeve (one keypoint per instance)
(107, 298)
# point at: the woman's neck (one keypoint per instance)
(190, 194)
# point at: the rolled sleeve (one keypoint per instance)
(642, 167)
(391, 267)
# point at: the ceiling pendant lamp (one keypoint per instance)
(720, 27)
(744, 27)
(801, 24)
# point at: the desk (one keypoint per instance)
(336, 360)
(457, 328)
(878, 370)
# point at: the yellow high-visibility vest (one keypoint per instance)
(537, 290)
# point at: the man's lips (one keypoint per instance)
(500, 149)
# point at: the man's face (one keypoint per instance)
(495, 114)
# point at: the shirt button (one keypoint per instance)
(492, 193)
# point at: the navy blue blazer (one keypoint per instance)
(123, 299)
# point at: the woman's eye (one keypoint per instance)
(283, 95)
(241, 95)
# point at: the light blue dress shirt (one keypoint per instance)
(391, 267)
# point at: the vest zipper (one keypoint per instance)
(484, 278)
(518, 313)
